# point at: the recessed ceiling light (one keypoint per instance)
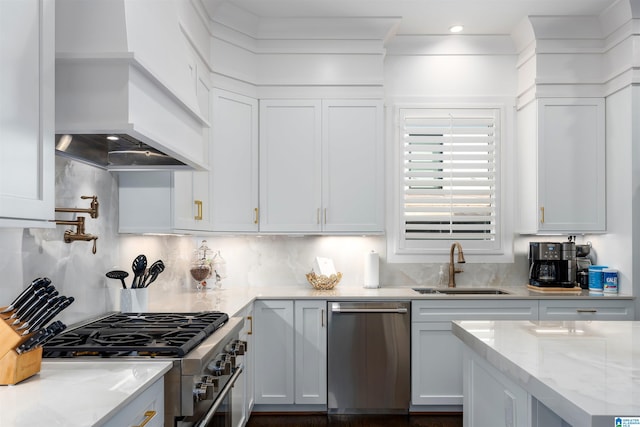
(456, 28)
(112, 138)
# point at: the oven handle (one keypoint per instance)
(223, 394)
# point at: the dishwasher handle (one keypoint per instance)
(336, 308)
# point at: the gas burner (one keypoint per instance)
(68, 339)
(137, 334)
(182, 336)
(122, 339)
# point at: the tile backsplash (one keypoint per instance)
(251, 260)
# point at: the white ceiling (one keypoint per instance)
(428, 16)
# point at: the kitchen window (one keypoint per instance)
(448, 180)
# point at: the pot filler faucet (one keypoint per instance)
(452, 268)
(80, 233)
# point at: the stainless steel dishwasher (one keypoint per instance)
(368, 357)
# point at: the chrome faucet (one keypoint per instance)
(452, 268)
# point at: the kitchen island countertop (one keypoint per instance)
(84, 393)
(584, 372)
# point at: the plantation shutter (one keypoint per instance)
(450, 176)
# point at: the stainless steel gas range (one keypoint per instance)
(204, 347)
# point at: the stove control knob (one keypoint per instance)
(229, 359)
(220, 367)
(201, 392)
(210, 381)
(238, 347)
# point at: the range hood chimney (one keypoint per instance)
(122, 71)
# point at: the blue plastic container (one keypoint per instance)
(596, 279)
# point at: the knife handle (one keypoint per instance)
(24, 295)
(33, 302)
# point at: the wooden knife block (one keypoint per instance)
(16, 367)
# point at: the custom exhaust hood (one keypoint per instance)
(125, 99)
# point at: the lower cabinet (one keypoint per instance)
(145, 410)
(492, 399)
(291, 339)
(242, 393)
(436, 354)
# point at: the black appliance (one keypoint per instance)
(204, 347)
(552, 264)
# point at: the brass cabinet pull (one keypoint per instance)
(257, 215)
(325, 215)
(148, 416)
(250, 319)
(541, 214)
(198, 216)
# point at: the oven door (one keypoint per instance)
(219, 413)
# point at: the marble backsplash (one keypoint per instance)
(251, 260)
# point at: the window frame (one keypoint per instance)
(438, 251)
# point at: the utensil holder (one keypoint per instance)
(16, 367)
(134, 300)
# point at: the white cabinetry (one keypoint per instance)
(562, 165)
(27, 86)
(147, 409)
(321, 166)
(310, 349)
(168, 201)
(492, 399)
(436, 354)
(290, 338)
(593, 309)
(234, 163)
(242, 393)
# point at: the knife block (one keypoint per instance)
(16, 367)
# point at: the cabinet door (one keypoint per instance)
(242, 392)
(310, 352)
(352, 166)
(274, 333)
(192, 204)
(290, 166)
(27, 85)
(571, 164)
(234, 163)
(436, 363)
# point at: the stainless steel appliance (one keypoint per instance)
(552, 264)
(368, 357)
(204, 347)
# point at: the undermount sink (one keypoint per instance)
(462, 291)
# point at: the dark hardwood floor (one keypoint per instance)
(321, 420)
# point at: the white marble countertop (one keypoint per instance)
(585, 372)
(231, 299)
(76, 394)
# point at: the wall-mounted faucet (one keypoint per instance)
(452, 268)
(80, 234)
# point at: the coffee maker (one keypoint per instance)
(552, 264)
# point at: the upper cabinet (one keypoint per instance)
(234, 163)
(321, 166)
(561, 143)
(27, 112)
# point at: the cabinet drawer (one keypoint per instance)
(498, 309)
(586, 310)
(151, 401)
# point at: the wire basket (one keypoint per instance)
(323, 282)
